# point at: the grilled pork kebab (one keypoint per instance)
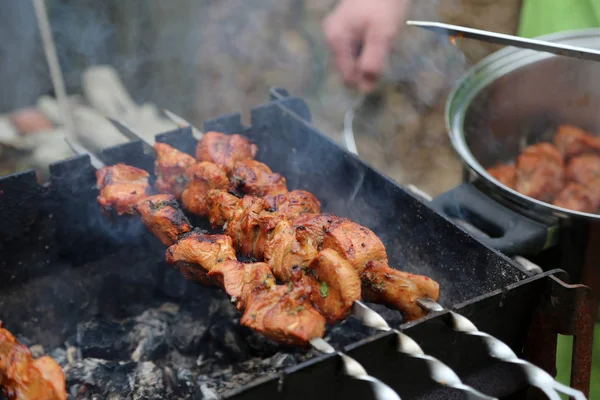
(262, 228)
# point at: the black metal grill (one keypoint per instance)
(57, 230)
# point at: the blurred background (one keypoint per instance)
(205, 58)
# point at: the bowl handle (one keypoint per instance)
(496, 225)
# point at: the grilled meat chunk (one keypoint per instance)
(163, 217)
(576, 197)
(221, 207)
(505, 174)
(354, 243)
(240, 280)
(335, 285)
(224, 150)
(197, 248)
(572, 141)
(23, 378)
(284, 314)
(170, 167)
(294, 204)
(398, 289)
(255, 178)
(121, 187)
(202, 178)
(540, 172)
(584, 168)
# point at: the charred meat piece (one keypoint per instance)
(540, 172)
(505, 174)
(354, 243)
(23, 378)
(335, 285)
(163, 217)
(310, 228)
(240, 226)
(572, 141)
(284, 314)
(584, 168)
(202, 178)
(576, 197)
(170, 167)
(280, 246)
(224, 150)
(294, 204)
(197, 248)
(255, 178)
(121, 187)
(398, 289)
(240, 280)
(221, 206)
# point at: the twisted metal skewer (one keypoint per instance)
(439, 372)
(535, 375)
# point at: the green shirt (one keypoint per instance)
(541, 17)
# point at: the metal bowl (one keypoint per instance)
(517, 97)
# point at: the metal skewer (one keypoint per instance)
(508, 40)
(535, 375)
(182, 123)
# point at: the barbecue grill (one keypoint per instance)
(98, 296)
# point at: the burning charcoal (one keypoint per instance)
(104, 339)
(60, 356)
(149, 336)
(347, 332)
(94, 378)
(186, 334)
(148, 382)
(224, 336)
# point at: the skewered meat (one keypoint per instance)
(202, 177)
(121, 187)
(294, 203)
(200, 249)
(584, 168)
(255, 178)
(398, 289)
(355, 243)
(170, 169)
(576, 197)
(224, 150)
(505, 174)
(239, 279)
(540, 172)
(284, 314)
(221, 206)
(572, 141)
(163, 217)
(335, 285)
(23, 378)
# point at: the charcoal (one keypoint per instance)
(91, 377)
(149, 335)
(225, 337)
(186, 334)
(103, 339)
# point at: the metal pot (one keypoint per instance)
(509, 100)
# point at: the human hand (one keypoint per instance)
(360, 35)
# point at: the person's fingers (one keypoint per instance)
(374, 57)
(341, 43)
